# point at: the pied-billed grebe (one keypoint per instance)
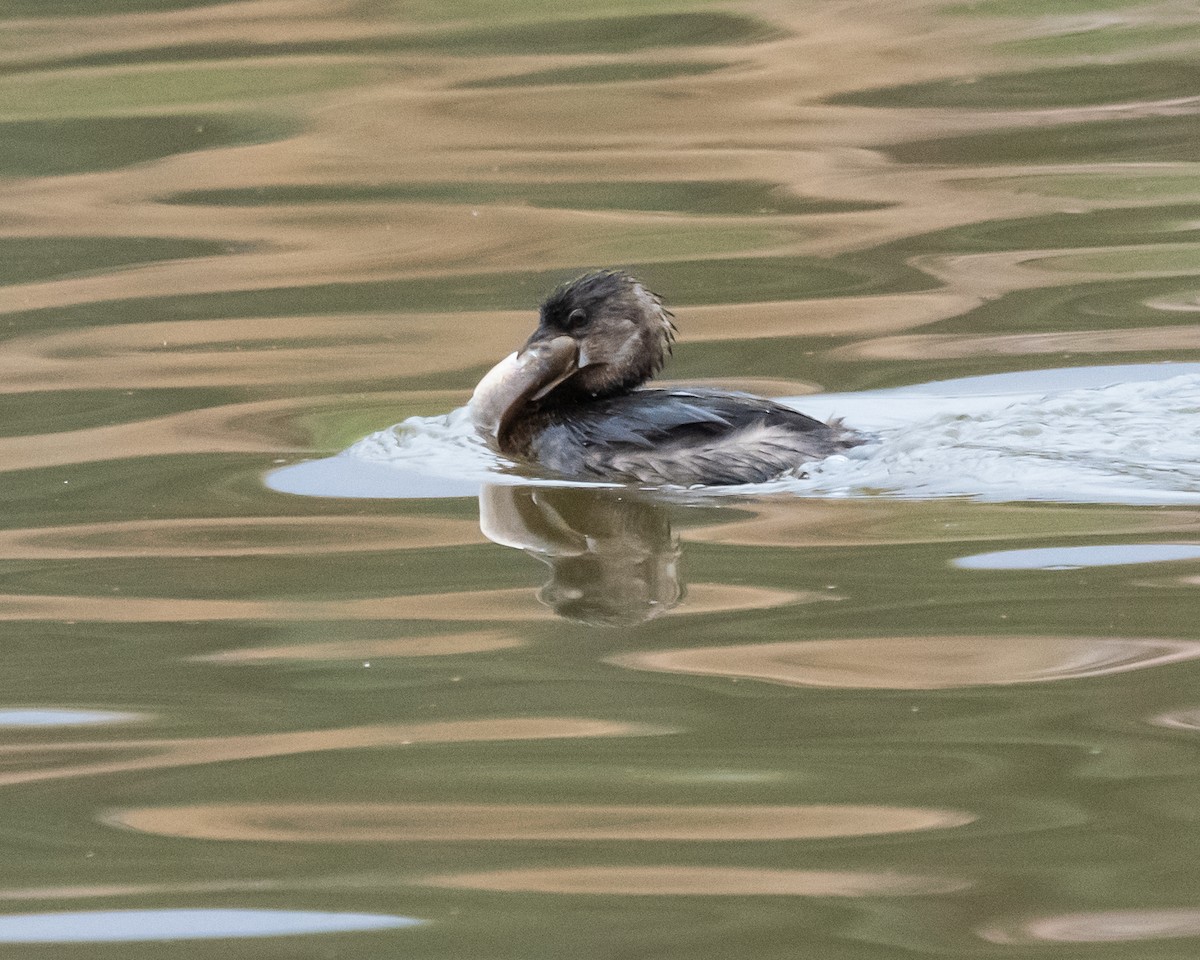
(569, 401)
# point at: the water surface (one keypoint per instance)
(266, 697)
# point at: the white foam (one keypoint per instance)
(1127, 442)
(1118, 434)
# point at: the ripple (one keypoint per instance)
(839, 316)
(269, 350)
(1176, 303)
(101, 758)
(516, 604)
(1075, 558)
(656, 881)
(258, 427)
(394, 823)
(113, 91)
(62, 717)
(1044, 88)
(763, 386)
(129, 926)
(1109, 926)
(236, 537)
(30, 259)
(697, 197)
(1133, 139)
(1133, 182)
(433, 645)
(948, 346)
(144, 890)
(599, 73)
(83, 144)
(539, 38)
(801, 523)
(918, 663)
(1187, 719)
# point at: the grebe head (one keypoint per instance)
(597, 336)
(621, 329)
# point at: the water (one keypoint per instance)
(295, 668)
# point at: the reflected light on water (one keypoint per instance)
(240, 351)
(237, 428)
(414, 822)
(236, 537)
(130, 926)
(835, 316)
(120, 756)
(51, 717)
(1188, 719)
(345, 476)
(795, 523)
(1073, 558)
(918, 663)
(956, 346)
(1108, 926)
(434, 645)
(683, 881)
(504, 605)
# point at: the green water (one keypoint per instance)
(236, 237)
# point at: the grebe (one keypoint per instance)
(570, 401)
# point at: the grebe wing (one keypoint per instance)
(682, 436)
(650, 418)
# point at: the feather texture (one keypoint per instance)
(680, 437)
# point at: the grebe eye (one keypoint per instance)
(576, 318)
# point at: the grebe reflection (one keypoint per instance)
(613, 558)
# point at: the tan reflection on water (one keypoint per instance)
(809, 523)
(382, 822)
(287, 350)
(763, 386)
(515, 604)
(682, 881)
(258, 351)
(236, 537)
(487, 605)
(1105, 926)
(256, 427)
(1180, 719)
(136, 755)
(838, 316)
(409, 117)
(919, 663)
(434, 645)
(143, 890)
(951, 346)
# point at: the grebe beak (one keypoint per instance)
(550, 357)
(539, 367)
